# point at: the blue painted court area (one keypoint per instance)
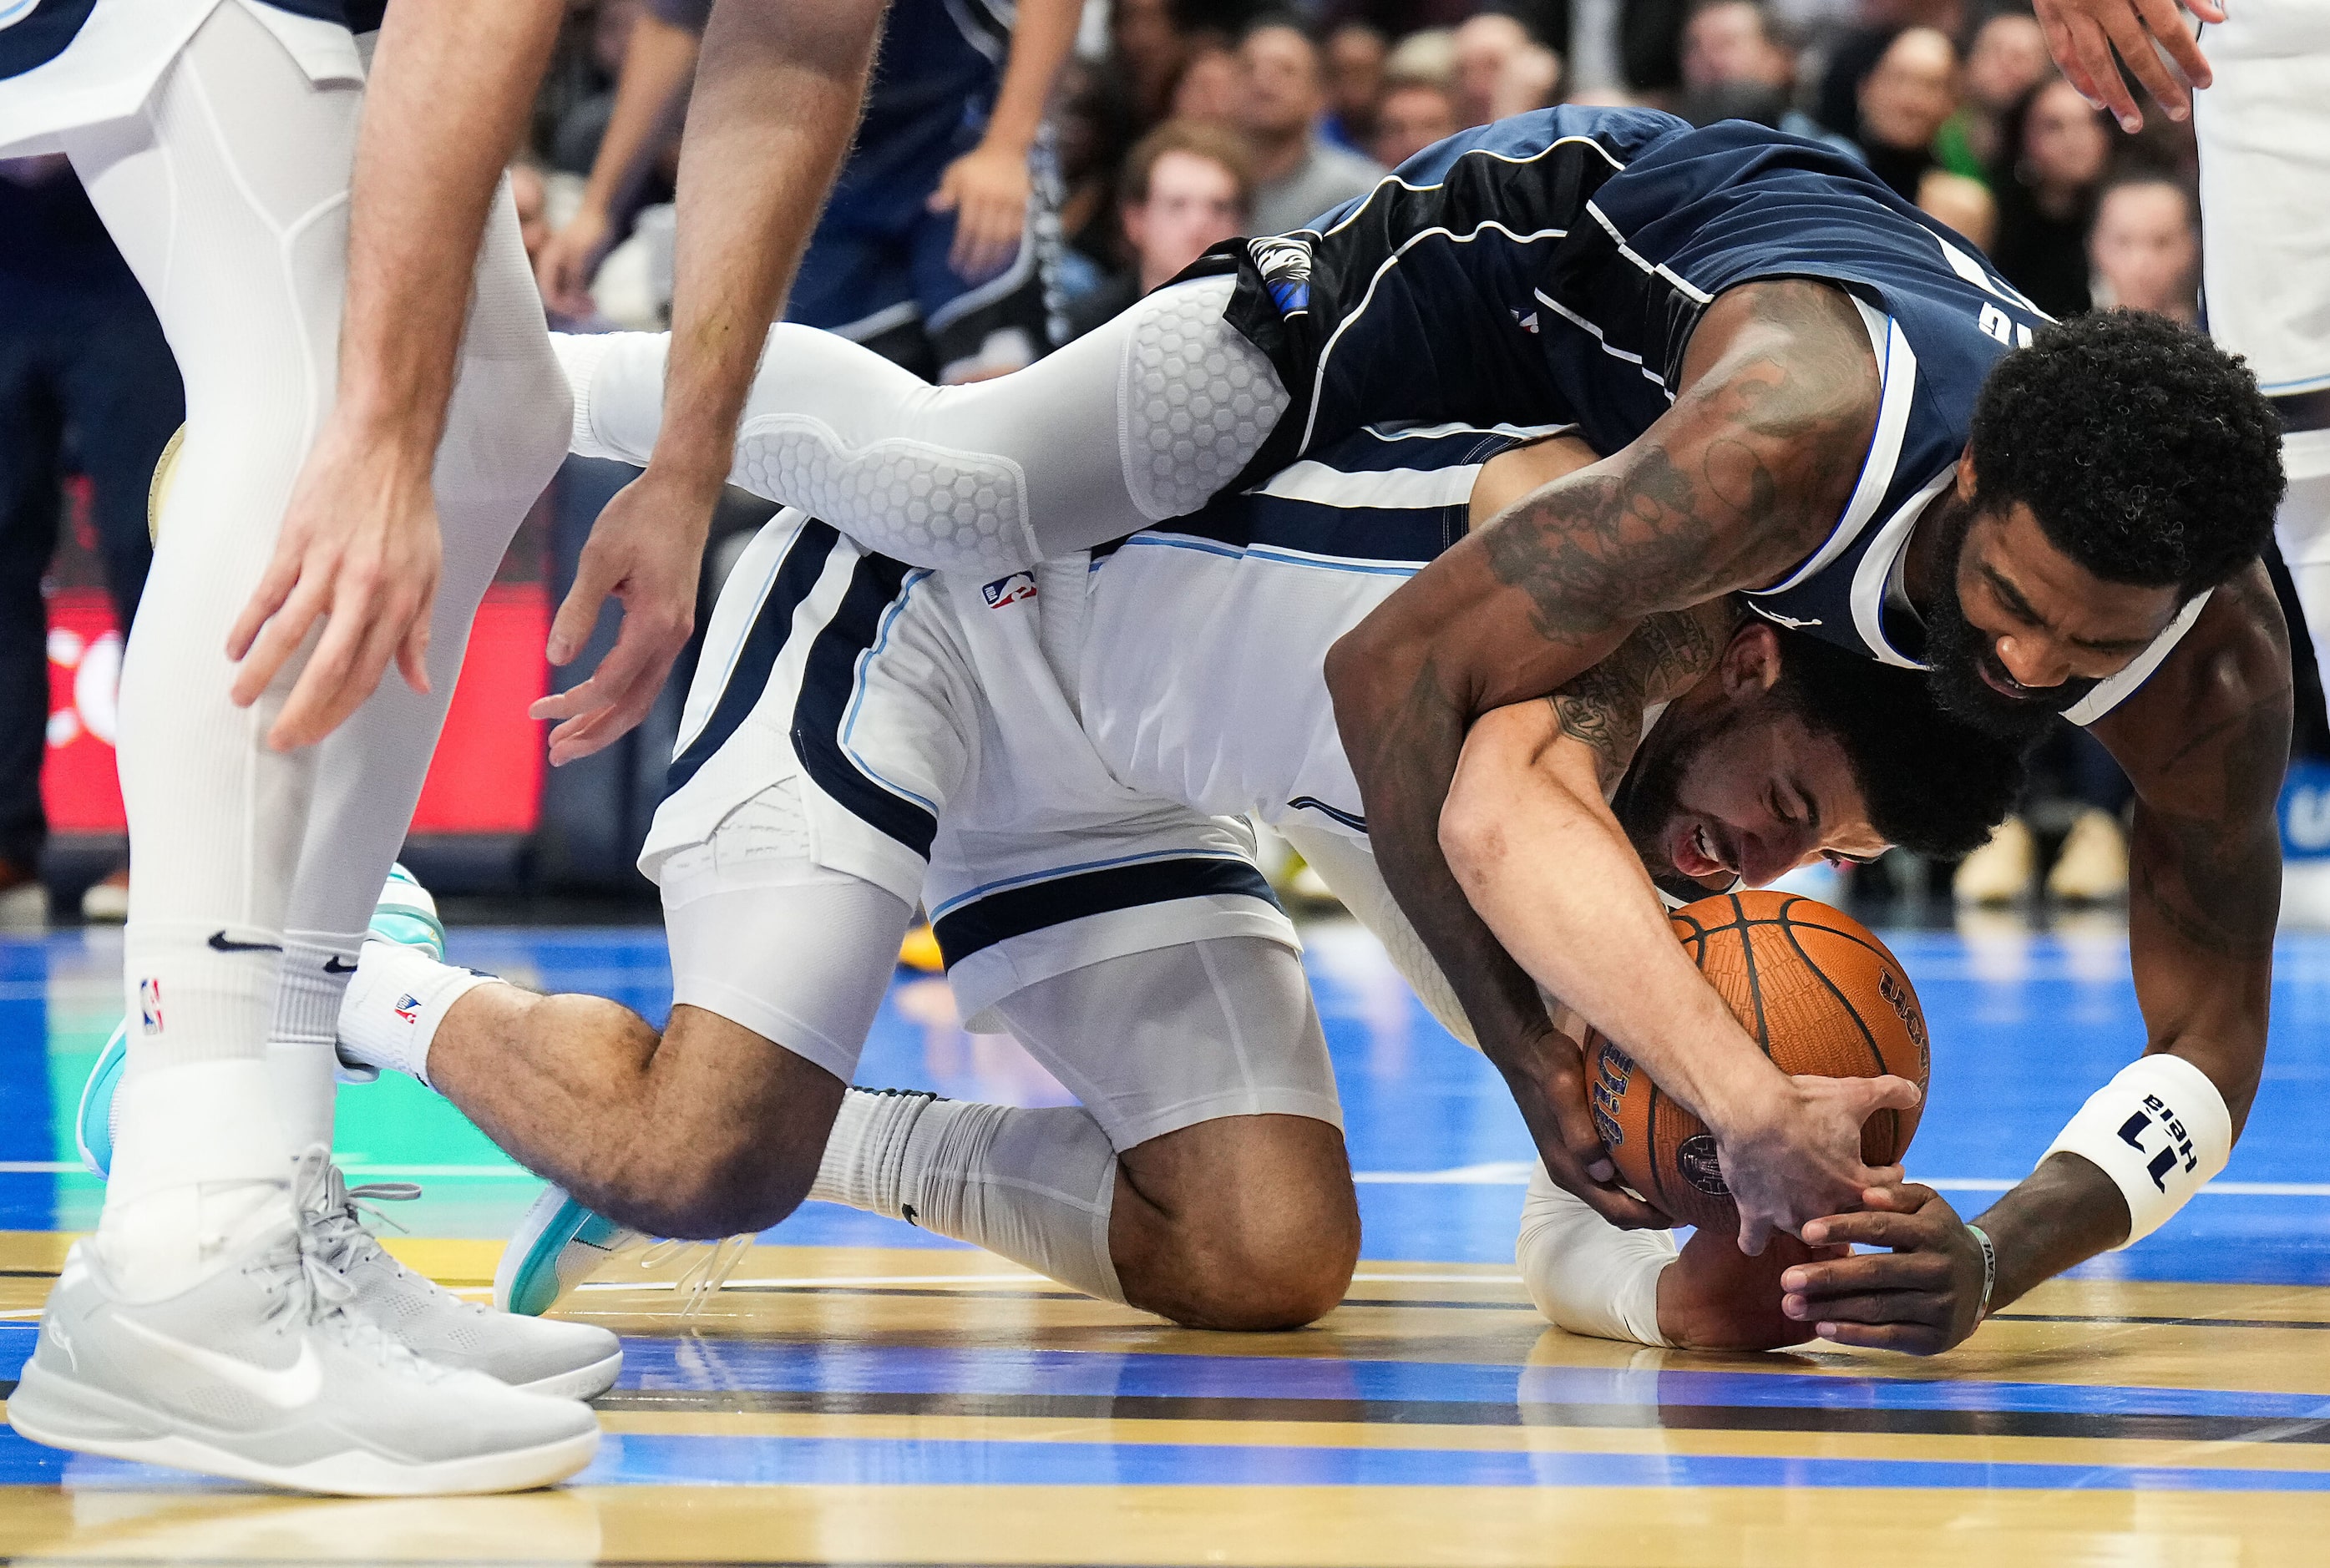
(2024, 1026)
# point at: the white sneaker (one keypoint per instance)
(572, 1360)
(560, 1243)
(259, 1372)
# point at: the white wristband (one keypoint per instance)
(2160, 1131)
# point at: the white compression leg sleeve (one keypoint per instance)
(1141, 420)
(1033, 1186)
(2303, 531)
(505, 434)
(228, 195)
(1585, 1274)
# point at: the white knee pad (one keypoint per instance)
(1585, 1274)
(932, 505)
(1195, 399)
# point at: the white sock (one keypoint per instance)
(395, 1002)
(179, 1195)
(1585, 1274)
(1033, 1186)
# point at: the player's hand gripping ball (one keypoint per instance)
(1816, 991)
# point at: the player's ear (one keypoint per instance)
(1751, 663)
(1965, 484)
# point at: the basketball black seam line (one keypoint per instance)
(1868, 1036)
(1755, 981)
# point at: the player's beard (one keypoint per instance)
(1650, 795)
(1956, 653)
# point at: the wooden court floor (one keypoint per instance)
(866, 1393)
(894, 1405)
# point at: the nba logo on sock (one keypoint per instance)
(149, 1004)
(408, 1008)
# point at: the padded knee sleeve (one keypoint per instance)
(1195, 399)
(1585, 1274)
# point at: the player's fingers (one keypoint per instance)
(2160, 16)
(578, 612)
(412, 655)
(1623, 1209)
(2103, 73)
(1909, 1338)
(1887, 1092)
(2135, 44)
(2064, 47)
(574, 702)
(1869, 1228)
(285, 631)
(275, 586)
(603, 729)
(1884, 1307)
(1866, 1271)
(1903, 1197)
(1755, 1233)
(2207, 11)
(335, 665)
(948, 191)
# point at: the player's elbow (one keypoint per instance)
(1473, 835)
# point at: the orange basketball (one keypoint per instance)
(1816, 991)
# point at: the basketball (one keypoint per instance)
(1816, 991)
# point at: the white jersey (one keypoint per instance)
(1200, 671)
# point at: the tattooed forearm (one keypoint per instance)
(1745, 479)
(1664, 656)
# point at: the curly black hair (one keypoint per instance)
(2147, 453)
(1932, 783)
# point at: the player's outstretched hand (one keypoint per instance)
(646, 550)
(1549, 1084)
(2083, 34)
(987, 190)
(1921, 1298)
(1795, 1156)
(359, 551)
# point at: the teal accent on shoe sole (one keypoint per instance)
(409, 928)
(94, 1124)
(530, 1285)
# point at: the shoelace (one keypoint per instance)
(305, 1263)
(344, 1241)
(706, 1272)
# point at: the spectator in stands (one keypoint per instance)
(1355, 82)
(1735, 66)
(86, 381)
(1486, 48)
(1910, 91)
(2007, 59)
(1297, 175)
(1414, 114)
(1429, 55)
(1147, 54)
(1212, 83)
(1186, 188)
(2144, 249)
(2053, 154)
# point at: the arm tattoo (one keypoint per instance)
(1750, 481)
(1604, 707)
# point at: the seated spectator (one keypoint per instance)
(2144, 249)
(2053, 154)
(1210, 84)
(1282, 99)
(1532, 80)
(1414, 114)
(1486, 46)
(1147, 53)
(1905, 98)
(1186, 188)
(1355, 82)
(2007, 59)
(1429, 55)
(1735, 66)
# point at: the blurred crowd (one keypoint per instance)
(1111, 142)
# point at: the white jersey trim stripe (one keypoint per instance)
(1612, 349)
(1459, 428)
(1320, 484)
(1876, 569)
(1318, 380)
(1489, 153)
(1278, 554)
(1655, 268)
(1897, 375)
(847, 739)
(2116, 689)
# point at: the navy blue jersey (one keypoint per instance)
(48, 26)
(1550, 270)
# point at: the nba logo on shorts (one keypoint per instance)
(408, 1008)
(1013, 590)
(149, 1004)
